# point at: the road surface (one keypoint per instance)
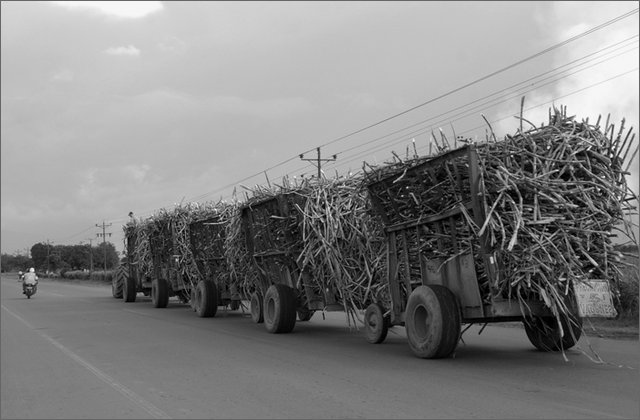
(73, 351)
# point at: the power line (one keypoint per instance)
(483, 78)
(531, 85)
(476, 81)
(452, 118)
(517, 63)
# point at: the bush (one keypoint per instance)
(105, 276)
(85, 275)
(75, 275)
(627, 304)
(629, 299)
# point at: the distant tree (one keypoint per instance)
(111, 256)
(10, 263)
(74, 257)
(40, 255)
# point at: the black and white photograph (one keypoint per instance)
(319, 210)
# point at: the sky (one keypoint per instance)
(117, 107)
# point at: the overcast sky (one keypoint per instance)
(122, 107)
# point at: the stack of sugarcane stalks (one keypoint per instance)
(166, 235)
(239, 262)
(138, 248)
(553, 198)
(343, 244)
(207, 243)
(323, 227)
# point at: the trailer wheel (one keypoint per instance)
(192, 298)
(544, 332)
(375, 325)
(206, 299)
(432, 322)
(129, 289)
(279, 309)
(257, 314)
(305, 314)
(160, 293)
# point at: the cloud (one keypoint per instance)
(273, 108)
(172, 44)
(128, 50)
(63, 76)
(121, 9)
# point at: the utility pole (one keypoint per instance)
(104, 244)
(318, 161)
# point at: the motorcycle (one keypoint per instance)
(30, 289)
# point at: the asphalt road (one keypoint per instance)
(73, 351)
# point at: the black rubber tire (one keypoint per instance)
(279, 309)
(544, 332)
(432, 322)
(375, 325)
(305, 314)
(192, 298)
(129, 289)
(206, 299)
(117, 282)
(257, 313)
(160, 293)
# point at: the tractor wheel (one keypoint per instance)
(206, 299)
(129, 289)
(432, 322)
(279, 309)
(160, 293)
(256, 308)
(375, 325)
(118, 280)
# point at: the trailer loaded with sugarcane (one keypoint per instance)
(214, 285)
(161, 277)
(512, 230)
(315, 248)
(181, 253)
(272, 227)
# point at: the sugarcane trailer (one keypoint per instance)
(166, 279)
(433, 297)
(284, 290)
(212, 286)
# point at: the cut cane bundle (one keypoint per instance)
(553, 197)
(166, 235)
(324, 228)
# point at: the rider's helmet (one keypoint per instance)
(32, 270)
(19, 273)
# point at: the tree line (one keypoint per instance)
(60, 258)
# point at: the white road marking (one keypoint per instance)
(132, 396)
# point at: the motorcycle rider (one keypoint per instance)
(29, 278)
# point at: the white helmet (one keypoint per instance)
(32, 270)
